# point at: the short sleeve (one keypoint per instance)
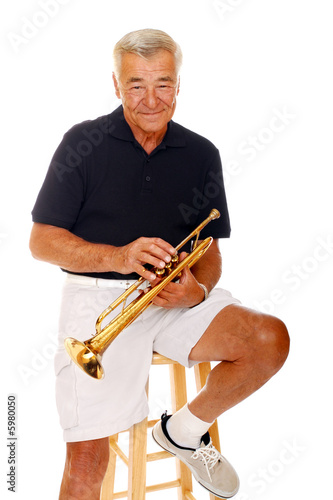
(210, 195)
(62, 193)
(214, 196)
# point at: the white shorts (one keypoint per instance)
(93, 409)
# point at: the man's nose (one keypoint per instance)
(151, 99)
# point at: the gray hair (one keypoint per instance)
(146, 43)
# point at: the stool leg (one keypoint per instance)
(137, 461)
(179, 399)
(201, 372)
(108, 481)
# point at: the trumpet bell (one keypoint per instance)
(84, 358)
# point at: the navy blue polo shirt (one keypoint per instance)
(103, 187)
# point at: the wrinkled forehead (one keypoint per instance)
(158, 67)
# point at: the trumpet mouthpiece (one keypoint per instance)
(214, 214)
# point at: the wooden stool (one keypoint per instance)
(138, 457)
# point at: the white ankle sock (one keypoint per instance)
(186, 429)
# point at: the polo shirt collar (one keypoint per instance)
(119, 128)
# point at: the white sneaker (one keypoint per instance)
(207, 465)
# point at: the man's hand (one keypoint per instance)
(186, 293)
(132, 257)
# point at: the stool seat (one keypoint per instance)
(138, 457)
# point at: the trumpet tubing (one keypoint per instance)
(88, 354)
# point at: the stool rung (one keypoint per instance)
(189, 496)
(158, 455)
(153, 487)
(116, 448)
(120, 494)
(163, 486)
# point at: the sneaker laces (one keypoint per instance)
(209, 455)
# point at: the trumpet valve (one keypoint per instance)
(174, 260)
(168, 268)
(160, 272)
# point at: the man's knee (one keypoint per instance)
(271, 342)
(86, 464)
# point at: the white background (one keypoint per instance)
(245, 61)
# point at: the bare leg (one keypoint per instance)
(252, 347)
(86, 464)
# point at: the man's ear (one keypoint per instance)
(116, 85)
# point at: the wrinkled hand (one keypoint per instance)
(132, 257)
(186, 293)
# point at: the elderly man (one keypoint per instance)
(120, 193)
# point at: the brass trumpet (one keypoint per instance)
(88, 354)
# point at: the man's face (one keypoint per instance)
(148, 90)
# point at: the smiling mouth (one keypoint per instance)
(152, 114)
